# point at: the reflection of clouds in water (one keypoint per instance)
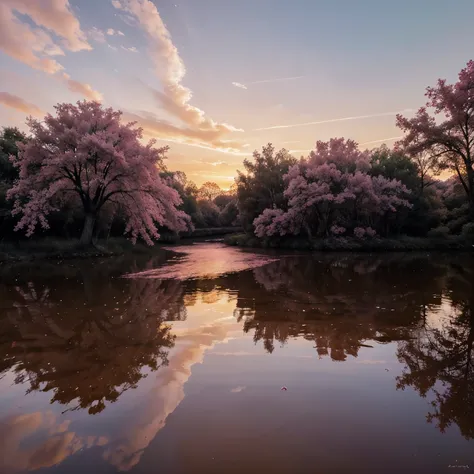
(165, 396)
(203, 261)
(24, 447)
(238, 389)
(56, 442)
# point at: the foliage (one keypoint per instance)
(209, 191)
(262, 186)
(10, 139)
(209, 212)
(439, 232)
(87, 158)
(222, 200)
(450, 142)
(332, 187)
(229, 216)
(468, 231)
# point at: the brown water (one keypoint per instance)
(178, 367)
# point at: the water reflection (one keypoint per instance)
(85, 338)
(87, 341)
(441, 359)
(339, 302)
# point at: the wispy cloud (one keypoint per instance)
(112, 32)
(291, 141)
(209, 139)
(303, 150)
(239, 85)
(198, 129)
(97, 34)
(266, 81)
(81, 88)
(33, 45)
(277, 79)
(132, 49)
(382, 140)
(15, 102)
(211, 163)
(342, 119)
(54, 15)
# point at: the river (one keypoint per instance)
(211, 359)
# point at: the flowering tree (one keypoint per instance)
(331, 187)
(451, 142)
(86, 156)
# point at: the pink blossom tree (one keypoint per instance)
(330, 189)
(85, 156)
(449, 142)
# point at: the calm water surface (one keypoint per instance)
(175, 364)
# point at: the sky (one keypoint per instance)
(216, 79)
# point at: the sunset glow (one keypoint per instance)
(215, 80)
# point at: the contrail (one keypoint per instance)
(278, 79)
(343, 119)
(382, 140)
(240, 85)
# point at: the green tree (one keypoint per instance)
(10, 138)
(261, 186)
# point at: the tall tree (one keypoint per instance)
(209, 191)
(451, 141)
(86, 156)
(262, 186)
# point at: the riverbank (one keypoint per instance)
(403, 243)
(59, 248)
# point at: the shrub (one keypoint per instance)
(370, 232)
(359, 232)
(468, 231)
(439, 232)
(337, 230)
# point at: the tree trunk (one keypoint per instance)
(88, 230)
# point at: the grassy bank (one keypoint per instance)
(57, 248)
(402, 243)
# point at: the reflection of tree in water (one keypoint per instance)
(339, 302)
(87, 340)
(440, 360)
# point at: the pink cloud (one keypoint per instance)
(15, 102)
(175, 98)
(34, 46)
(56, 16)
(81, 88)
(26, 44)
(210, 138)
